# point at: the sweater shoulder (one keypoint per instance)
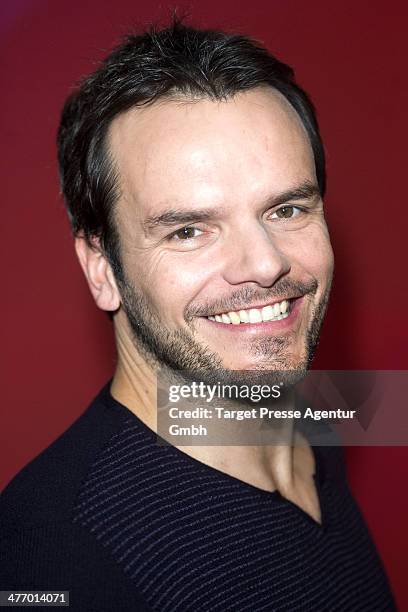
(45, 489)
(63, 556)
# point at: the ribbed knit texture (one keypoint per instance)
(193, 539)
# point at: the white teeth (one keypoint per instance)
(284, 306)
(255, 316)
(274, 312)
(267, 313)
(234, 317)
(243, 315)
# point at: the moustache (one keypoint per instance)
(243, 298)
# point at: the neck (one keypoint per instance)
(134, 382)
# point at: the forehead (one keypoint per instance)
(205, 152)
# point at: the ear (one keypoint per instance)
(98, 273)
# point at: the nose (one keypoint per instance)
(254, 256)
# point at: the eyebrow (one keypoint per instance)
(305, 191)
(175, 216)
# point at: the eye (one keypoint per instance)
(185, 233)
(286, 212)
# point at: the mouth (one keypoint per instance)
(270, 312)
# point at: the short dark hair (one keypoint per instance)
(172, 61)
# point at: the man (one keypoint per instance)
(193, 172)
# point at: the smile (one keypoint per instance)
(272, 312)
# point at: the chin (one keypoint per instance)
(281, 361)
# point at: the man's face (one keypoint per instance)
(225, 250)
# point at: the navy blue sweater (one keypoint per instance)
(126, 524)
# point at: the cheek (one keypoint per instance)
(172, 282)
(310, 250)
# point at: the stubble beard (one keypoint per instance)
(178, 351)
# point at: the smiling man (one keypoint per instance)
(223, 238)
(193, 172)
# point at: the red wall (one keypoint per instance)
(57, 349)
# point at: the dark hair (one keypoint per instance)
(176, 60)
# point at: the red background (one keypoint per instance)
(57, 349)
